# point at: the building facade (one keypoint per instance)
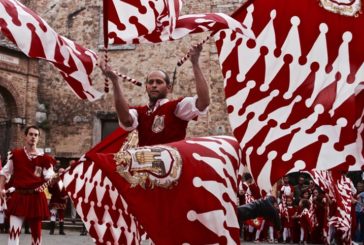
(33, 92)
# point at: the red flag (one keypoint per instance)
(338, 187)
(189, 197)
(294, 94)
(150, 21)
(103, 210)
(35, 38)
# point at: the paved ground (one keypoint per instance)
(72, 238)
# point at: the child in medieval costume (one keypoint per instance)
(287, 190)
(319, 211)
(288, 216)
(304, 220)
(57, 205)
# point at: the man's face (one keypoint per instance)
(360, 187)
(301, 180)
(286, 180)
(156, 86)
(32, 137)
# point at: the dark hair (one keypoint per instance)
(29, 127)
(303, 193)
(166, 77)
(247, 176)
(305, 203)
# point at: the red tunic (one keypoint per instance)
(160, 126)
(287, 213)
(305, 223)
(27, 175)
(59, 197)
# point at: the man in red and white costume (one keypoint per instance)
(161, 120)
(29, 168)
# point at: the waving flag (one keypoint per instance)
(153, 21)
(35, 38)
(338, 187)
(295, 94)
(182, 192)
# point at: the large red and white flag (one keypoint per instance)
(339, 189)
(295, 94)
(35, 38)
(153, 21)
(182, 192)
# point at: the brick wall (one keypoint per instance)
(18, 96)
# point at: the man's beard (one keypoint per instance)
(154, 98)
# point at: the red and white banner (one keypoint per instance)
(295, 94)
(338, 187)
(35, 38)
(189, 198)
(153, 21)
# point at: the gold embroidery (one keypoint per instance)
(148, 166)
(348, 8)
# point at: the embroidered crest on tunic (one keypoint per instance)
(38, 171)
(158, 124)
(148, 166)
(343, 7)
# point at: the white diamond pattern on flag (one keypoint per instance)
(151, 21)
(294, 94)
(103, 210)
(35, 38)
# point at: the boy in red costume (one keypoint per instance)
(29, 169)
(57, 205)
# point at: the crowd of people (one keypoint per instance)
(303, 212)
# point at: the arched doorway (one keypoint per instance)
(8, 111)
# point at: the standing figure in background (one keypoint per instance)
(288, 216)
(57, 205)
(287, 190)
(73, 208)
(359, 210)
(304, 220)
(29, 168)
(298, 189)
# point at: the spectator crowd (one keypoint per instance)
(304, 211)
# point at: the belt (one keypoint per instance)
(26, 191)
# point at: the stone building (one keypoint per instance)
(33, 92)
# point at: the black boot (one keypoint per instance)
(260, 208)
(61, 228)
(51, 228)
(83, 231)
(26, 227)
